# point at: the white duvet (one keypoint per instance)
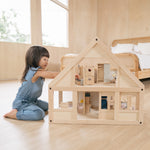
(144, 61)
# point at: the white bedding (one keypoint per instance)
(144, 59)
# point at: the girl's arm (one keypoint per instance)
(44, 74)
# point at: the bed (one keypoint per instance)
(135, 54)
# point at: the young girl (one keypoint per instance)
(26, 105)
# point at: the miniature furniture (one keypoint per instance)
(95, 88)
(131, 60)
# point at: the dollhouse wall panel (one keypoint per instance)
(62, 116)
(127, 116)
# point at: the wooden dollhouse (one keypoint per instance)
(95, 88)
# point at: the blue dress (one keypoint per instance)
(26, 102)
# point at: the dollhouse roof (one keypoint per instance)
(96, 49)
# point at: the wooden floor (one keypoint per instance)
(40, 135)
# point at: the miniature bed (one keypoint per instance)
(95, 88)
(135, 54)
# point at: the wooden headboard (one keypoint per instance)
(131, 40)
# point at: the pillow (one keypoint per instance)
(136, 50)
(144, 48)
(123, 48)
(113, 49)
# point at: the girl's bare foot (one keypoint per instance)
(11, 114)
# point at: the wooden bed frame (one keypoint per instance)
(131, 60)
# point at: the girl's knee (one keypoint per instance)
(42, 104)
(38, 115)
(31, 113)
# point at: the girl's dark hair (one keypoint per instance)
(32, 58)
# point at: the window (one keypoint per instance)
(54, 24)
(15, 21)
(65, 2)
